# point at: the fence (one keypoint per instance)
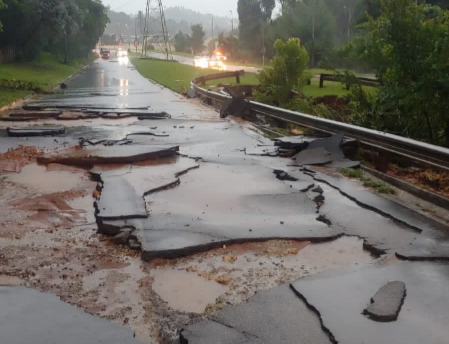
(340, 78)
(7, 54)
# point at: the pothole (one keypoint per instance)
(230, 275)
(185, 291)
(37, 177)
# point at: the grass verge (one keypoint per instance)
(177, 76)
(377, 185)
(46, 71)
(7, 96)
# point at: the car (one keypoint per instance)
(121, 53)
(201, 61)
(219, 55)
(105, 54)
(216, 63)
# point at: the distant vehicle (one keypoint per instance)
(105, 54)
(201, 61)
(218, 54)
(216, 63)
(121, 52)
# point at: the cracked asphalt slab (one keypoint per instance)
(348, 292)
(49, 320)
(211, 228)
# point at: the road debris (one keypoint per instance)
(387, 302)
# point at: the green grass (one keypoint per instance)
(177, 76)
(247, 79)
(46, 71)
(352, 173)
(237, 63)
(377, 185)
(7, 97)
(330, 88)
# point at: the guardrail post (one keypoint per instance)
(237, 77)
(321, 80)
(383, 158)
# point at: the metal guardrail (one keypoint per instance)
(385, 143)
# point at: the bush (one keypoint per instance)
(288, 71)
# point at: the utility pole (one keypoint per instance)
(212, 39)
(232, 34)
(349, 19)
(313, 33)
(135, 31)
(263, 43)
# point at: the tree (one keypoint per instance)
(227, 44)
(253, 16)
(317, 34)
(287, 72)
(182, 42)
(2, 6)
(407, 46)
(197, 38)
(65, 27)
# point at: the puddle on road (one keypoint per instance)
(185, 291)
(231, 275)
(38, 178)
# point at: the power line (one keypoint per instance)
(123, 5)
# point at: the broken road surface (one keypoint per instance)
(147, 210)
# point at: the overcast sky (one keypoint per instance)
(220, 7)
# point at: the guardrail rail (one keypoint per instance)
(385, 143)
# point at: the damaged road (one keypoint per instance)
(149, 210)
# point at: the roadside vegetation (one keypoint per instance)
(8, 97)
(43, 42)
(401, 43)
(177, 76)
(19, 79)
(405, 44)
(376, 185)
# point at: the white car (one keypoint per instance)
(216, 63)
(201, 61)
(121, 53)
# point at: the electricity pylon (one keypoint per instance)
(156, 7)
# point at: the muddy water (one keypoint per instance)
(37, 177)
(185, 291)
(235, 273)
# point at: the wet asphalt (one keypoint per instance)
(220, 193)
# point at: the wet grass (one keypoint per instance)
(330, 88)
(45, 72)
(7, 97)
(377, 185)
(177, 76)
(352, 173)
(247, 79)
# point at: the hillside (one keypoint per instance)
(177, 18)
